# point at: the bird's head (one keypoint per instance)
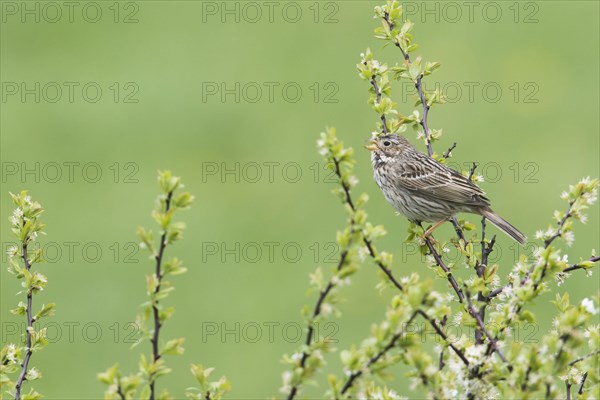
(389, 146)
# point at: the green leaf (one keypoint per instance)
(108, 377)
(46, 311)
(173, 347)
(20, 310)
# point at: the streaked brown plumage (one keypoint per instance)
(425, 190)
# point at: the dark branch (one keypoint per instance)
(155, 309)
(367, 242)
(381, 266)
(448, 152)
(440, 332)
(571, 268)
(459, 231)
(444, 267)
(120, 390)
(575, 267)
(539, 281)
(345, 186)
(481, 325)
(330, 285)
(378, 95)
(25, 365)
(580, 390)
(418, 86)
(391, 344)
(472, 170)
(580, 359)
(441, 363)
(561, 223)
(316, 312)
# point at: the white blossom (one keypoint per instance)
(457, 319)
(475, 353)
(12, 251)
(287, 380)
(588, 305)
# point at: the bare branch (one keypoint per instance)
(448, 152)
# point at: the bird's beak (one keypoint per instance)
(372, 146)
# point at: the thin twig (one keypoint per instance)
(440, 332)
(571, 268)
(496, 292)
(481, 325)
(448, 152)
(120, 390)
(488, 250)
(382, 267)
(538, 281)
(459, 231)
(580, 390)
(584, 357)
(155, 311)
(561, 223)
(316, 312)
(526, 379)
(330, 285)
(575, 267)
(391, 344)
(441, 363)
(372, 252)
(418, 86)
(472, 170)
(480, 268)
(442, 265)
(378, 96)
(25, 365)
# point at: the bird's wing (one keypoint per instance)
(430, 178)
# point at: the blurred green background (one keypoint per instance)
(163, 106)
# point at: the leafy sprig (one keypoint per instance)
(154, 315)
(15, 358)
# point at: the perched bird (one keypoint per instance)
(425, 190)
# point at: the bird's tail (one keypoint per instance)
(503, 225)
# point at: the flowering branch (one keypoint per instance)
(171, 199)
(402, 41)
(21, 377)
(470, 370)
(26, 226)
(389, 346)
(579, 197)
(305, 363)
(159, 276)
(583, 265)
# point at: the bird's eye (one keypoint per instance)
(386, 143)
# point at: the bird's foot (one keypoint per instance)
(429, 231)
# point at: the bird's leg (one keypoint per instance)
(430, 230)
